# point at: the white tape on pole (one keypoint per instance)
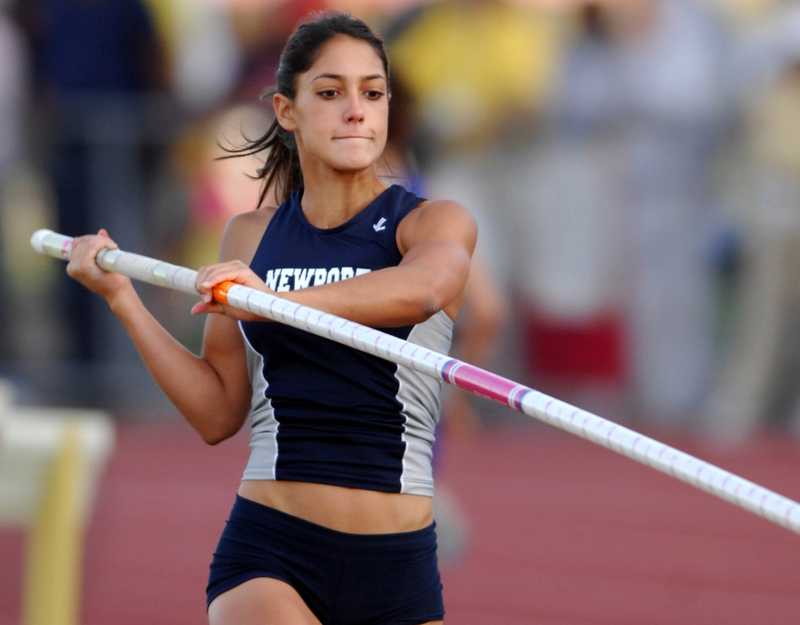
(617, 438)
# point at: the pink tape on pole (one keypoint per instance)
(485, 384)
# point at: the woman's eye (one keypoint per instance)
(374, 95)
(328, 93)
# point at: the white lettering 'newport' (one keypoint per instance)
(291, 279)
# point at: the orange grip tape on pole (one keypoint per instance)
(220, 291)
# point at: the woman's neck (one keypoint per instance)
(334, 198)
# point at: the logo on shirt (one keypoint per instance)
(379, 226)
(291, 279)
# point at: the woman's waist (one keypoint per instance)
(350, 510)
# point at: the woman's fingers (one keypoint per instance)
(209, 276)
(83, 265)
(205, 307)
(212, 276)
(233, 271)
(104, 235)
(84, 251)
(201, 308)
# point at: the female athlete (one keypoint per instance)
(333, 521)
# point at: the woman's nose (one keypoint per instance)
(355, 111)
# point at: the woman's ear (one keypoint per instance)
(283, 111)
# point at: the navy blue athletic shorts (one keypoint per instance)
(346, 579)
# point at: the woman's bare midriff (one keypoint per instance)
(351, 510)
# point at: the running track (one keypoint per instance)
(561, 533)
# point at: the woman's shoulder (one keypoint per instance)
(428, 211)
(437, 220)
(244, 232)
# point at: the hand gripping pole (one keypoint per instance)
(682, 466)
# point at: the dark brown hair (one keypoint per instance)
(282, 167)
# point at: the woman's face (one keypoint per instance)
(341, 108)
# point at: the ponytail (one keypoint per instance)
(281, 169)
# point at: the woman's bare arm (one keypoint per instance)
(212, 391)
(436, 240)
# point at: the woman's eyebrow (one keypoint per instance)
(341, 78)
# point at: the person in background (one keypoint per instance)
(13, 99)
(94, 63)
(638, 122)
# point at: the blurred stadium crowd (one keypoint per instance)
(634, 166)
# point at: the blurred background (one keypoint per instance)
(634, 167)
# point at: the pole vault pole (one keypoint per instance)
(682, 466)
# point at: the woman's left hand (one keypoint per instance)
(233, 271)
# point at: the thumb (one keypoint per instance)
(201, 308)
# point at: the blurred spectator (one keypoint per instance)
(569, 185)
(481, 70)
(13, 92)
(475, 65)
(92, 47)
(673, 58)
(641, 109)
(94, 61)
(201, 46)
(765, 41)
(759, 381)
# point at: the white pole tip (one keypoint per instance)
(37, 240)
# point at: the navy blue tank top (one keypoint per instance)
(324, 412)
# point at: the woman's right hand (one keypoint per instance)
(83, 266)
(231, 271)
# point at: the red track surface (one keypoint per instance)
(561, 532)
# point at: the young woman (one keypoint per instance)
(333, 521)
